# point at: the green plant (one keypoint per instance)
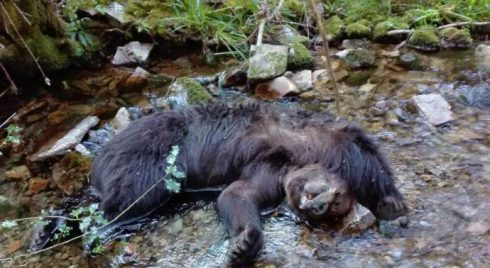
(172, 174)
(13, 136)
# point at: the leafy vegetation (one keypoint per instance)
(13, 136)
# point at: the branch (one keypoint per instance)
(459, 24)
(326, 52)
(265, 20)
(14, 87)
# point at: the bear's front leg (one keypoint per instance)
(238, 207)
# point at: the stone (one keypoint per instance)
(71, 172)
(381, 29)
(299, 57)
(236, 76)
(269, 61)
(357, 58)
(6, 206)
(185, 90)
(424, 39)
(275, 89)
(18, 173)
(286, 35)
(410, 61)
(302, 79)
(37, 185)
(455, 38)
(137, 79)
(121, 120)
(355, 43)
(115, 11)
(83, 150)
(70, 140)
(482, 57)
(359, 220)
(434, 108)
(476, 95)
(133, 53)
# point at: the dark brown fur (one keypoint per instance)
(251, 148)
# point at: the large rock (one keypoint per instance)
(357, 58)
(302, 79)
(269, 61)
(121, 120)
(70, 140)
(275, 89)
(434, 108)
(132, 53)
(186, 91)
(482, 56)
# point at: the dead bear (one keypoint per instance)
(262, 152)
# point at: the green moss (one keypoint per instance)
(334, 26)
(50, 57)
(380, 30)
(424, 38)
(357, 30)
(195, 92)
(452, 37)
(299, 57)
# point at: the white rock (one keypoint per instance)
(82, 150)
(434, 108)
(276, 88)
(482, 56)
(71, 139)
(121, 120)
(116, 11)
(319, 75)
(132, 53)
(269, 61)
(302, 79)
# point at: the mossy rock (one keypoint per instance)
(357, 30)
(360, 58)
(381, 29)
(334, 26)
(299, 57)
(455, 38)
(190, 89)
(424, 39)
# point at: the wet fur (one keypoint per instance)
(248, 147)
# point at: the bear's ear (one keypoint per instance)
(279, 155)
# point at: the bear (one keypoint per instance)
(261, 152)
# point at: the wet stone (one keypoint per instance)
(302, 79)
(37, 185)
(434, 108)
(18, 173)
(70, 140)
(132, 53)
(482, 56)
(6, 205)
(358, 220)
(358, 58)
(275, 89)
(477, 95)
(121, 120)
(137, 79)
(409, 60)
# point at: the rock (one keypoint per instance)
(183, 63)
(132, 53)
(275, 89)
(455, 38)
(37, 184)
(185, 90)
(334, 26)
(382, 28)
(83, 150)
(358, 30)
(482, 56)
(115, 12)
(477, 95)
(367, 88)
(357, 58)
(18, 173)
(6, 206)
(302, 80)
(480, 227)
(121, 120)
(321, 76)
(424, 38)
(355, 43)
(358, 220)
(390, 53)
(269, 61)
(137, 79)
(299, 57)
(286, 35)
(70, 140)
(434, 108)
(70, 173)
(410, 61)
(236, 76)
(380, 108)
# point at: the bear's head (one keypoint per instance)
(315, 194)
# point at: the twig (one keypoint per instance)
(22, 13)
(265, 20)
(399, 32)
(465, 23)
(45, 217)
(6, 121)
(87, 233)
(14, 87)
(46, 79)
(326, 52)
